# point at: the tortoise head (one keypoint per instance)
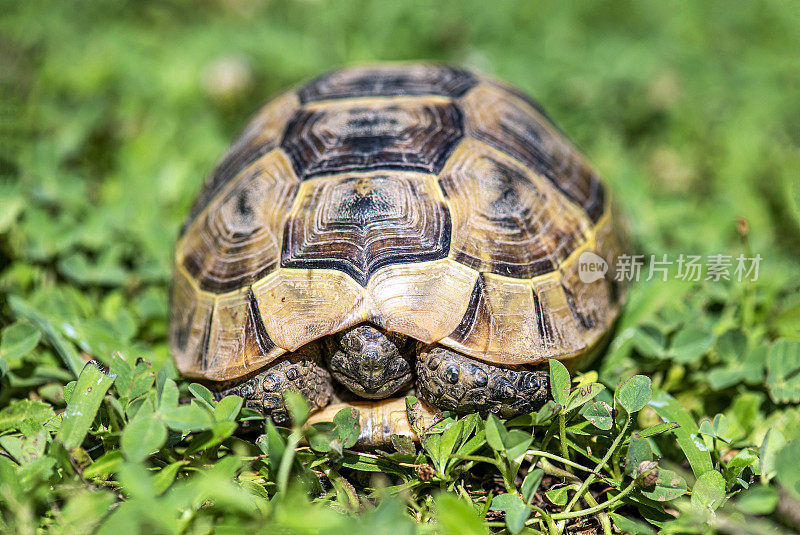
(370, 362)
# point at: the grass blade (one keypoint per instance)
(83, 405)
(686, 434)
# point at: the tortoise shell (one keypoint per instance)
(424, 199)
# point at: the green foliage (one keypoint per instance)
(709, 490)
(111, 118)
(686, 433)
(25, 414)
(633, 394)
(787, 469)
(783, 371)
(82, 407)
(18, 339)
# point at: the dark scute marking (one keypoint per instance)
(243, 205)
(229, 251)
(585, 321)
(528, 100)
(255, 325)
(225, 278)
(181, 320)
(471, 316)
(360, 232)
(382, 82)
(542, 321)
(319, 143)
(231, 281)
(362, 271)
(596, 207)
(182, 333)
(204, 344)
(361, 209)
(550, 155)
(369, 144)
(502, 216)
(352, 269)
(508, 209)
(227, 169)
(597, 191)
(614, 291)
(532, 152)
(519, 271)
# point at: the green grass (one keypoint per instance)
(112, 113)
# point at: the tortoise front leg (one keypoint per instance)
(301, 371)
(455, 382)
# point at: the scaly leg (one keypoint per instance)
(302, 371)
(452, 381)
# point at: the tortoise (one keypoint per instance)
(388, 229)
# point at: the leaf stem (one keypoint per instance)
(284, 469)
(599, 507)
(554, 457)
(547, 436)
(555, 471)
(602, 516)
(478, 458)
(562, 436)
(615, 464)
(589, 480)
(503, 524)
(548, 519)
(341, 484)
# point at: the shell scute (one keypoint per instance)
(301, 305)
(388, 81)
(190, 324)
(409, 135)
(237, 240)
(424, 301)
(505, 219)
(361, 223)
(510, 124)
